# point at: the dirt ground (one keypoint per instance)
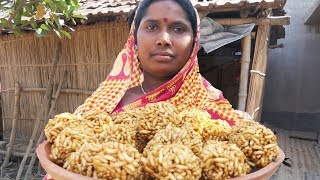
(10, 172)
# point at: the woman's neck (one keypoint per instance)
(150, 83)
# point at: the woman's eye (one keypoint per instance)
(178, 29)
(151, 27)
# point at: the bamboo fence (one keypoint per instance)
(87, 58)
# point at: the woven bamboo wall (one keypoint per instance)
(87, 58)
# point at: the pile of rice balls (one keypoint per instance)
(158, 141)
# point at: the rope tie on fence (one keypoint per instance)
(257, 109)
(258, 72)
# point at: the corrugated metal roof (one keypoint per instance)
(116, 7)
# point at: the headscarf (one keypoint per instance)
(186, 89)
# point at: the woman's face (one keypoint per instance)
(164, 39)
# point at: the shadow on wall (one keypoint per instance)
(294, 121)
(291, 99)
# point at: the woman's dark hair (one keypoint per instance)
(185, 4)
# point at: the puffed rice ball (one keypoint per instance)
(257, 142)
(176, 135)
(97, 120)
(118, 161)
(173, 161)
(223, 160)
(59, 123)
(69, 141)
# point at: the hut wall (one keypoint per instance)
(292, 98)
(87, 59)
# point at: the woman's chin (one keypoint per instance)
(165, 74)
(161, 71)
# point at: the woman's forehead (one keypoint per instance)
(167, 10)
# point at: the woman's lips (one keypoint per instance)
(162, 56)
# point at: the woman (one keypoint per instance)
(159, 63)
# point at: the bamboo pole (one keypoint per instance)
(272, 20)
(41, 138)
(16, 116)
(43, 90)
(47, 102)
(21, 118)
(203, 14)
(16, 154)
(257, 78)
(244, 74)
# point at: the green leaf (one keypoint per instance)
(57, 33)
(56, 20)
(17, 18)
(60, 6)
(65, 33)
(16, 31)
(69, 11)
(25, 22)
(27, 11)
(79, 16)
(73, 21)
(44, 27)
(52, 6)
(71, 29)
(75, 1)
(49, 23)
(3, 21)
(33, 23)
(40, 32)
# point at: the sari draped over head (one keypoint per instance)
(186, 89)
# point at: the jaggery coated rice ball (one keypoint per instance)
(173, 161)
(223, 160)
(155, 117)
(126, 117)
(118, 161)
(69, 141)
(257, 142)
(121, 133)
(81, 161)
(176, 135)
(59, 123)
(215, 130)
(97, 120)
(194, 118)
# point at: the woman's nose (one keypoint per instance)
(164, 39)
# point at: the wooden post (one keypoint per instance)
(15, 154)
(272, 20)
(16, 116)
(43, 90)
(244, 75)
(53, 105)
(202, 14)
(257, 80)
(47, 101)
